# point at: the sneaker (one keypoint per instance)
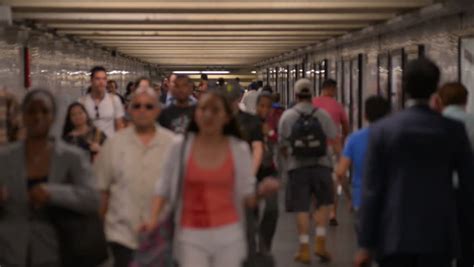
(333, 222)
(320, 249)
(303, 254)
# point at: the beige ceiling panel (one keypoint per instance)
(201, 42)
(206, 27)
(203, 38)
(202, 17)
(203, 33)
(200, 50)
(165, 5)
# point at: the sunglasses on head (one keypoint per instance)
(138, 106)
(97, 115)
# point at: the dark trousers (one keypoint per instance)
(426, 260)
(268, 223)
(265, 230)
(122, 255)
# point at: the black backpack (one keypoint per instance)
(307, 138)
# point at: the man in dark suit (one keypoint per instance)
(410, 208)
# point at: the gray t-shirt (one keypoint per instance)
(289, 118)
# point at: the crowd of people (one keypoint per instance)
(204, 164)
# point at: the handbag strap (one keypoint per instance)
(182, 164)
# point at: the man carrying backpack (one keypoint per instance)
(305, 133)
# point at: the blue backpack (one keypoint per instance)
(307, 138)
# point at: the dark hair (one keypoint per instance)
(276, 97)
(329, 84)
(453, 93)
(183, 77)
(204, 77)
(259, 84)
(237, 79)
(114, 82)
(31, 95)
(264, 94)
(421, 78)
(253, 86)
(96, 69)
(139, 80)
(376, 107)
(304, 97)
(221, 82)
(68, 125)
(231, 128)
(268, 88)
(128, 90)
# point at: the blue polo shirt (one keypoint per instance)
(355, 150)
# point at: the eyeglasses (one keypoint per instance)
(146, 106)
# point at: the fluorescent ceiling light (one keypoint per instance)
(201, 72)
(186, 72)
(215, 72)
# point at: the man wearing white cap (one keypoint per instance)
(305, 133)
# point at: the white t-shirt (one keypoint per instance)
(105, 113)
(250, 101)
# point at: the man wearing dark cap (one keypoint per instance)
(411, 214)
(304, 133)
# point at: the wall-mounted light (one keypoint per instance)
(253, 72)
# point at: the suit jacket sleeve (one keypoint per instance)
(464, 164)
(373, 190)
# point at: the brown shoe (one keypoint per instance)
(303, 254)
(320, 249)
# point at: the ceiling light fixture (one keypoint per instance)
(215, 72)
(201, 72)
(186, 72)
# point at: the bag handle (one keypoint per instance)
(182, 164)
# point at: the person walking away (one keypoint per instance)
(217, 184)
(80, 131)
(38, 174)
(260, 86)
(354, 153)
(250, 99)
(106, 110)
(454, 98)
(304, 133)
(127, 169)
(327, 101)
(178, 115)
(410, 209)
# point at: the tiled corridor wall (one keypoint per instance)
(440, 37)
(59, 66)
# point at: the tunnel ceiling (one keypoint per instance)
(207, 34)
